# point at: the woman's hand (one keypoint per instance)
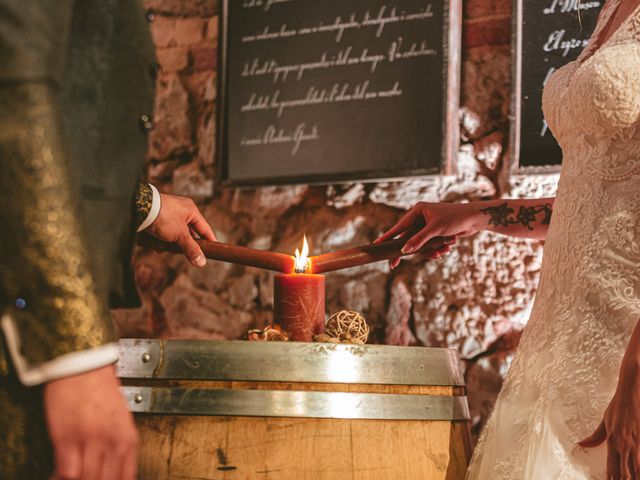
(428, 220)
(179, 221)
(620, 427)
(521, 218)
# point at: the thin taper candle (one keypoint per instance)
(224, 252)
(353, 257)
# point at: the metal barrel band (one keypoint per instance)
(288, 362)
(301, 404)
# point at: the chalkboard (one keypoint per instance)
(547, 35)
(327, 91)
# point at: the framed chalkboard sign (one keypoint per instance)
(547, 34)
(333, 90)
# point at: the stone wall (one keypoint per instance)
(476, 299)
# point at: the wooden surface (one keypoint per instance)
(198, 448)
(247, 448)
(307, 387)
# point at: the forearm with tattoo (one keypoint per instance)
(503, 216)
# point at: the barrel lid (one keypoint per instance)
(288, 362)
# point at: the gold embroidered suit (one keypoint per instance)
(75, 103)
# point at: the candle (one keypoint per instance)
(279, 262)
(353, 257)
(225, 252)
(298, 303)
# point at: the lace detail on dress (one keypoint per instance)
(588, 301)
(605, 88)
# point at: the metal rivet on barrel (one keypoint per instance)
(146, 356)
(138, 398)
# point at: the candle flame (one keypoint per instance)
(302, 262)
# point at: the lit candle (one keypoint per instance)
(298, 303)
(224, 252)
(353, 257)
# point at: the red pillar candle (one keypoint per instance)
(298, 305)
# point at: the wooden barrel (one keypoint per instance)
(295, 411)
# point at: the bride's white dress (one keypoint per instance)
(565, 371)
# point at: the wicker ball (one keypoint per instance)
(347, 326)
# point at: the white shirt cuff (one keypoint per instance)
(60, 367)
(155, 209)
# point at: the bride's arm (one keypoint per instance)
(620, 426)
(516, 218)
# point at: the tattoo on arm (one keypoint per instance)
(503, 216)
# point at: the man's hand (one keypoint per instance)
(92, 431)
(179, 221)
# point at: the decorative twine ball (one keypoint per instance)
(347, 326)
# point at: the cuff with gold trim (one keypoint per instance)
(154, 209)
(66, 365)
